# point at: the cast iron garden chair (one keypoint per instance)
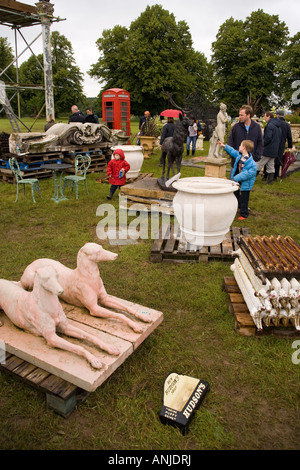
(34, 182)
(82, 164)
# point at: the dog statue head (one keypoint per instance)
(96, 253)
(47, 278)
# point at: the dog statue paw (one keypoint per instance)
(137, 327)
(96, 363)
(112, 350)
(143, 315)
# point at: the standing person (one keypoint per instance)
(168, 130)
(192, 137)
(90, 116)
(246, 129)
(142, 122)
(76, 116)
(117, 168)
(243, 172)
(286, 135)
(272, 137)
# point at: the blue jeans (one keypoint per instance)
(190, 140)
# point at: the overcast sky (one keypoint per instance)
(86, 19)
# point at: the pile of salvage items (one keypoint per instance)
(267, 271)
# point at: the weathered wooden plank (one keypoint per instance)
(216, 250)
(12, 363)
(147, 188)
(170, 242)
(235, 236)
(162, 235)
(24, 369)
(227, 244)
(37, 376)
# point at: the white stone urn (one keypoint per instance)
(134, 155)
(205, 208)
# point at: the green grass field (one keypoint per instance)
(253, 403)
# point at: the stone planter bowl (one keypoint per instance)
(205, 208)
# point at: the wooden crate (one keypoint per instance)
(244, 323)
(168, 247)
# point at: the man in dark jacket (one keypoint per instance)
(246, 129)
(90, 116)
(272, 136)
(286, 135)
(142, 122)
(168, 130)
(77, 116)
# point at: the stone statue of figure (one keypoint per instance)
(219, 132)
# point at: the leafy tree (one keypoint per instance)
(31, 74)
(289, 67)
(245, 59)
(67, 78)
(6, 57)
(9, 76)
(155, 53)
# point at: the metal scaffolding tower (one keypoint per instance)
(18, 15)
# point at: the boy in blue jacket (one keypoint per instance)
(243, 172)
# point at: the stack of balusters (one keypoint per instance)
(267, 271)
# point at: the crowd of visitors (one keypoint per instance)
(250, 148)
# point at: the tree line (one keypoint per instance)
(253, 62)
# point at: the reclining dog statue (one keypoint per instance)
(39, 312)
(83, 286)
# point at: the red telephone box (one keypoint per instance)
(116, 109)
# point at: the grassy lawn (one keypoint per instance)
(254, 398)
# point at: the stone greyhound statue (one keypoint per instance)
(83, 286)
(39, 312)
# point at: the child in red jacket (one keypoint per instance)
(116, 169)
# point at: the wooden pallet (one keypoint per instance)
(98, 162)
(244, 323)
(61, 395)
(40, 157)
(7, 176)
(168, 247)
